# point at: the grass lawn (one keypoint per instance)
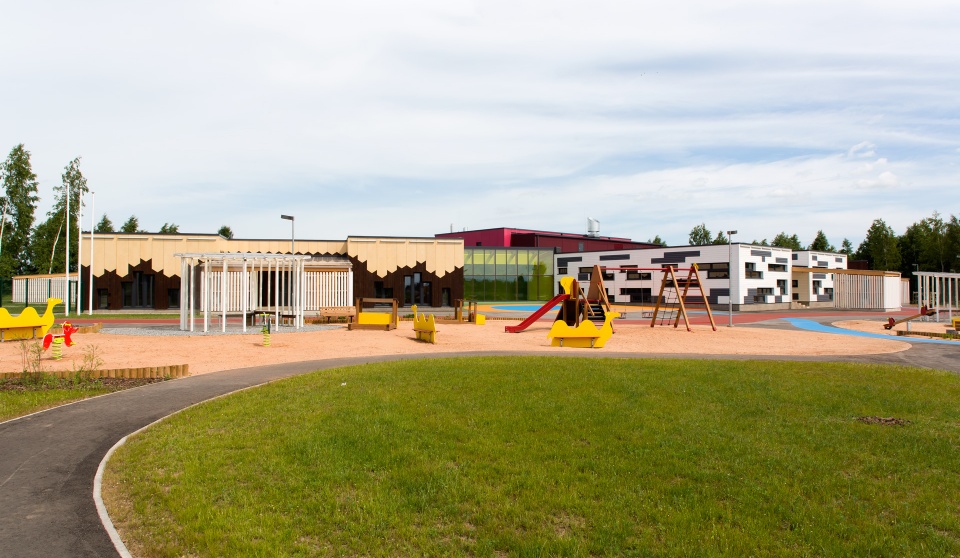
(36, 392)
(554, 457)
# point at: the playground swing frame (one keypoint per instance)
(670, 273)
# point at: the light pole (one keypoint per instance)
(292, 237)
(93, 226)
(66, 263)
(730, 277)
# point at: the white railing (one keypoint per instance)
(322, 288)
(36, 290)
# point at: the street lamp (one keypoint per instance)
(292, 237)
(730, 277)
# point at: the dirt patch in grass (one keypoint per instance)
(884, 421)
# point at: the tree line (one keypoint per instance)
(931, 244)
(27, 249)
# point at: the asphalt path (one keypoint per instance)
(48, 460)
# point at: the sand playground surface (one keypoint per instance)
(212, 353)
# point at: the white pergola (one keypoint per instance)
(230, 284)
(938, 291)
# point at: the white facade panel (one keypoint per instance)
(761, 274)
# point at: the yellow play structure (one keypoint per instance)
(464, 312)
(425, 328)
(576, 323)
(28, 325)
(587, 334)
(375, 320)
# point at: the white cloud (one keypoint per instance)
(365, 115)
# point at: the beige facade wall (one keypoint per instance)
(115, 252)
(385, 255)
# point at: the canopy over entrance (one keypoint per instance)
(243, 284)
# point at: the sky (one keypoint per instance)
(419, 117)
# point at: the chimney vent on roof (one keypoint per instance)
(593, 227)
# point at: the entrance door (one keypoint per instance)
(138, 293)
(412, 289)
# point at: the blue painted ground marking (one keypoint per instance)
(523, 307)
(817, 327)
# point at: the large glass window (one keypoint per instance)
(508, 274)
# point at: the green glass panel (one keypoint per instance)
(489, 265)
(506, 289)
(524, 288)
(501, 259)
(511, 269)
(544, 287)
(469, 287)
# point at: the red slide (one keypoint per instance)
(537, 315)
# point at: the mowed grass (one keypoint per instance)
(554, 457)
(20, 397)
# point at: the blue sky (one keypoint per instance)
(409, 118)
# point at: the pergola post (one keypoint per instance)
(223, 298)
(245, 294)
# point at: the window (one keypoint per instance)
(638, 295)
(638, 276)
(750, 271)
(816, 287)
(776, 267)
(782, 286)
(103, 299)
(795, 256)
(561, 271)
(584, 274)
(173, 298)
(579, 247)
(720, 270)
(796, 284)
(762, 294)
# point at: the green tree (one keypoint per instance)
(761, 243)
(700, 235)
(227, 232)
(48, 243)
(131, 226)
(821, 244)
(846, 247)
(169, 228)
(19, 204)
(721, 238)
(933, 252)
(953, 244)
(105, 225)
(782, 240)
(880, 247)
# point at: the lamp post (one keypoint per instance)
(730, 277)
(66, 263)
(292, 237)
(93, 226)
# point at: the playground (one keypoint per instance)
(204, 354)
